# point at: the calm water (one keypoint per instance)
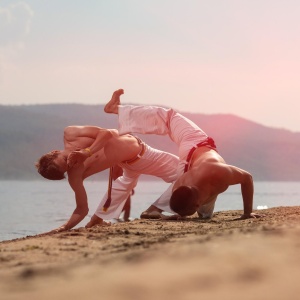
(32, 207)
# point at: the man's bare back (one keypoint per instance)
(80, 137)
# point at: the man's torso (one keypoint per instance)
(207, 172)
(117, 149)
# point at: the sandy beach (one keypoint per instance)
(221, 258)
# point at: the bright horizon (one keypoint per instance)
(229, 57)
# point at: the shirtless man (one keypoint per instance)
(100, 149)
(203, 173)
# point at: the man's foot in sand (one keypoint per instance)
(173, 218)
(112, 106)
(155, 213)
(152, 213)
(96, 221)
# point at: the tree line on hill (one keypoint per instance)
(29, 131)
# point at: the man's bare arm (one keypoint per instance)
(247, 189)
(98, 135)
(244, 178)
(81, 210)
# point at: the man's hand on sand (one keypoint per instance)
(75, 158)
(59, 229)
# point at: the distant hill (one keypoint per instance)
(29, 131)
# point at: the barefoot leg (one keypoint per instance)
(151, 213)
(112, 106)
(95, 220)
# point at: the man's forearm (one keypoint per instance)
(247, 194)
(79, 156)
(101, 140)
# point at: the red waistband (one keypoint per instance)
(209, 142)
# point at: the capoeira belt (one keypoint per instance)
(138, 157)
(108, 201)
(209, 142)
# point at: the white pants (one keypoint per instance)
(154, 162)
(206, 211)
(162, 121)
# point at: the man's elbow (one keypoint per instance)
(248, 178)
(107, 134)
(68, 129)
(85, 211)
(69, 132)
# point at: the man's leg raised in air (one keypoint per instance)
(157, 120)
(112, 106)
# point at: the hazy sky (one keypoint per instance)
(208, 56)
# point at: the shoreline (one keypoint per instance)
(143, 259)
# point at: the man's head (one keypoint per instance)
(185, 200)
(52, 165)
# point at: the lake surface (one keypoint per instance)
(32, 207)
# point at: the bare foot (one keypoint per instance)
(152, 212)
(151, 215)
(96, 221)
(112, 106)
(173, 217)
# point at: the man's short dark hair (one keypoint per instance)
(183, 200)
(47, 168)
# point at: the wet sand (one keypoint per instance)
(219, 258)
